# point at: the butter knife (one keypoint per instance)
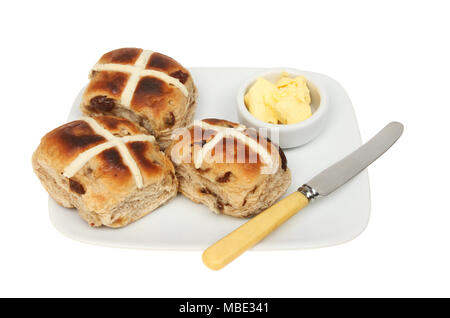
(237, 242)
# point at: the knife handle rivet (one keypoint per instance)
(308, 192)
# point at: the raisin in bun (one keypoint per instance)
(229, 168)
(107, 167)
(148, 88)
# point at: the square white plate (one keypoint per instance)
(182, 224)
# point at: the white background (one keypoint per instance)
(391, 56)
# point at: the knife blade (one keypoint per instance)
(247, 235)
(342, 171)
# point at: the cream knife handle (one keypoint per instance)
(234, 244)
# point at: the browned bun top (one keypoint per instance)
(119, 126)
(231, 158)
(106, 172)
(121, 56)
(63, 144)
(221, 122)
(168, 65)
(106, 84)
(154, 97)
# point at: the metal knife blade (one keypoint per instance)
(342, 171)
(247, 235)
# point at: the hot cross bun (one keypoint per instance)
(148, 88)
(107, 167)
(229, 168)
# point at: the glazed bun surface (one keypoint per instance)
(229, 168)
(107, 167)
(148, 88)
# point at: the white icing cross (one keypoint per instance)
(112, 141)
(136, 72)
(222, 132)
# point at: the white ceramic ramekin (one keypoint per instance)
(292, 135)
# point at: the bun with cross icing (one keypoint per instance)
(107, 167)
(229, 168)
(148, 88)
